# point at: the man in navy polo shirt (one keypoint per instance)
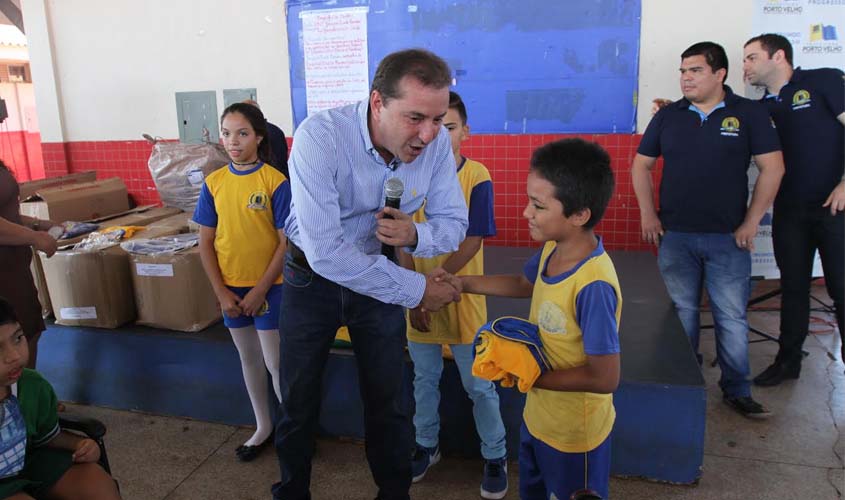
(808, 107)
(704, 230)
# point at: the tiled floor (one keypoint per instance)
(797, 454)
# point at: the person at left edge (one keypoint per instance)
(17, 234)
(335, 273)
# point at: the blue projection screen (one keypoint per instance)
(521, 66)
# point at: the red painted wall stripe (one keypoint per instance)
(506, 156)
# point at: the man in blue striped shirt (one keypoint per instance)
(335, 273)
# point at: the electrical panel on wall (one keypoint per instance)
(231, 96)
(197, 115)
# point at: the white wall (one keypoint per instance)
(108, 69)
(670, 26)
(13, 53)
(20, 104)
(42, 65)
(118, 63)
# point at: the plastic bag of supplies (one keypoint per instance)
(179, 170)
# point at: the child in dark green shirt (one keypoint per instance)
(38, 459)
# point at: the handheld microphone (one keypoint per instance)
(393, 189)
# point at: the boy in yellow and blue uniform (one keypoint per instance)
(576, 303)
(455, 326)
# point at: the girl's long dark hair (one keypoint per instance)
(256, 119)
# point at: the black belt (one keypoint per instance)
(297, 255)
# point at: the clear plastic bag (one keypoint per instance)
(98, 241)
(179, 170)
(162, 245)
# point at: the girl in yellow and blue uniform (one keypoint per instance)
(241, 212)
(576, 303)
(455, 325)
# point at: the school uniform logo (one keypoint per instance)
(730, 126)
(801, 99)
(264, 309)
(258, 201)
(551, 318)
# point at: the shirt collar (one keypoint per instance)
(557, 279)
(235, 171)
(363, 110)
(796, 77)
(729, 100)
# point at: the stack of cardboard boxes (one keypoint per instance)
(106, 287)
(172, 290)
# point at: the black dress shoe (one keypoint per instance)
(777, 373)
(747, 407)
(248, 453)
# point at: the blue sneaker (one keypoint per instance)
(422, 460)
(494, 484)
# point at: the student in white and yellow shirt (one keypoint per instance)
(455, 325)
(576, 303)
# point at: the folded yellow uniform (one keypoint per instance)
(508, 350)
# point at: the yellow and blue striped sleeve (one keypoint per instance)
(482, 219)
(281, 204)
(205, 214)
(595, 313)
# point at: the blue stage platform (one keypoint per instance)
(661, 402)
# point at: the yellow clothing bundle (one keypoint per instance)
(509, 350)
(128, 231)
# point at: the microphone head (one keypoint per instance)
(393, 187)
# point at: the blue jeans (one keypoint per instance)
(688, 260)
(428, 366)
(314, 308)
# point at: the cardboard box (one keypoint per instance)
(93, 288)
(172, 291)
(181, 221)
(77, 202)
(90, 288)
(41, 285)
(29, 188)
(139, 216)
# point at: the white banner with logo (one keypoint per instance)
(815, 28)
